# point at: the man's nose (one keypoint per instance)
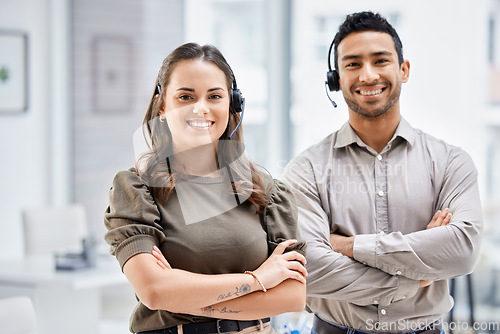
(368, 74)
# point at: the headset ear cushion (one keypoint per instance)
(332, 79)
(237, 100)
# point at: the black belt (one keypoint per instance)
(218, 326)
(320, 326)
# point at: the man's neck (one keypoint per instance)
(375, 132)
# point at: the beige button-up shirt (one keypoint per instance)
(386, 200)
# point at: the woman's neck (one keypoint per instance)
(201, 161)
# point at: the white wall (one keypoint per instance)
(24, 137)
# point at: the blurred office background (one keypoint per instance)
(91, 66)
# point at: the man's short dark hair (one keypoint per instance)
(367, 21)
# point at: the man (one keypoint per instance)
(389, 212)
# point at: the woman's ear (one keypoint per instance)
(161, 114)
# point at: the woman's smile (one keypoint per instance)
(200, 125)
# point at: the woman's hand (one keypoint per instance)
(160, 259)
(279, 267)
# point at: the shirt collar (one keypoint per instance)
(346, 135)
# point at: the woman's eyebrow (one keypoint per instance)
(185, 88)
(192, 89)
(215, 88)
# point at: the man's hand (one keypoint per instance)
(424, 283)
(440, 218)
(343, 245)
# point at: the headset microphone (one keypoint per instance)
(328, 95)
(238, 125)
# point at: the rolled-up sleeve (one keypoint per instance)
(132, 218)
(281, 218)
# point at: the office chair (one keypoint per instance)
(51, 230)
(17, 315)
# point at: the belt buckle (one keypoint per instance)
(217, 324)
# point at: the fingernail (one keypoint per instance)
(154, 252)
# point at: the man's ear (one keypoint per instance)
(405, 70)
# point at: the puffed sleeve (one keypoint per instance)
(132, 218)
(281, 218)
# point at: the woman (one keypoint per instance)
(226, 230)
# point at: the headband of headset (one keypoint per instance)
(332, 76)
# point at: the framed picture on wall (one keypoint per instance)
(13, 72)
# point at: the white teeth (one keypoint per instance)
(200, 124)
(371, 92)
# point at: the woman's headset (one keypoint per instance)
(237, 103)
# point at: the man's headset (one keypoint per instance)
(332, 78)
(237, 102)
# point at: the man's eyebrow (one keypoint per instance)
(382, 53)
(374, 54)
(349, 57)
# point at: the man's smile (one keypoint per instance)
(370, 91)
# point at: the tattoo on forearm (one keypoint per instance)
(242, 290)
(210, 310)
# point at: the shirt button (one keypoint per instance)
(398, 272)
(383, 311)
(404, 297)
(379, 157)
(382, 233)
(381, 193)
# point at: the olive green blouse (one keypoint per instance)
(201, 228)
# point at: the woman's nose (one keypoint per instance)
(200, 108)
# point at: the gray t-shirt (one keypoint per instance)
(201, 228)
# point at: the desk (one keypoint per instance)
(65, 301)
